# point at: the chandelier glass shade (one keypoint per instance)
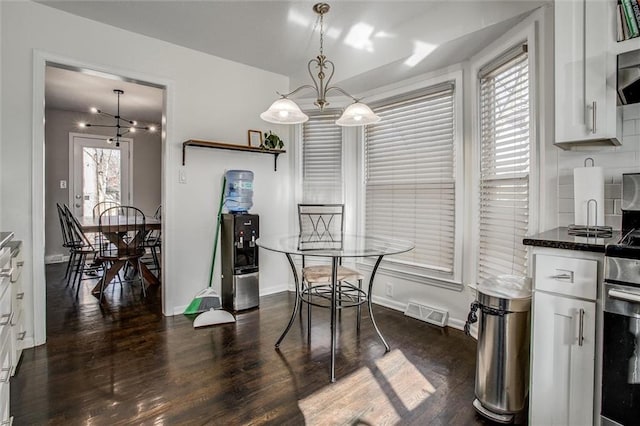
(122, 125)
(285, 111)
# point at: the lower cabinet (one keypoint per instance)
(5, 334)
(563, 360)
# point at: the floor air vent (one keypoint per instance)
(427, 314)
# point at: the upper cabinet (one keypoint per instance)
(585, 74)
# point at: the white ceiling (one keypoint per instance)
(79, 91)
(279, 36)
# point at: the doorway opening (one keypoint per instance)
(83, 167)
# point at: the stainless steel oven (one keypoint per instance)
(621, 350)
(620, 400)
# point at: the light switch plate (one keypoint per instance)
(182, 176)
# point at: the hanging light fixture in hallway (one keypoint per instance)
(122, 125)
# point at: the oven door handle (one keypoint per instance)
(624, 295)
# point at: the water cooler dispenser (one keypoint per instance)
(239, 256)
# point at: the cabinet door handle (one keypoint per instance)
(593, 117)
(21, 335)
(20, 295)
(20, 263)
(581, 327)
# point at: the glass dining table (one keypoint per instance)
(350, 246)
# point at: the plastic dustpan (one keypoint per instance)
(213, 317)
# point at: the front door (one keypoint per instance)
(100, 172)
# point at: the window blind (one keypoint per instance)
(504, 167)
(322, 159)
(410, 176)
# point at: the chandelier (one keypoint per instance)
(122, 125)
(285, 111)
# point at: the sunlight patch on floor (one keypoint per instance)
(367, 397)
(406, 381)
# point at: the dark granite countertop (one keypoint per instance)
(559, 238)
(5, 237)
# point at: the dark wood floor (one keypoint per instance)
(124, 363)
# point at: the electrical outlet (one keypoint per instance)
(389, 290)
(63, 184)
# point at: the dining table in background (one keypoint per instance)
(92, 225)
(351, 246)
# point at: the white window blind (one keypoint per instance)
(504, 165)
(322, 159)
(410, 176)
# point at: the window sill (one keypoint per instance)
(397, 271)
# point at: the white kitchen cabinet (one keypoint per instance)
(585, 75)
(563, 359)
(18, 332)
(5, 333)
(564, 338)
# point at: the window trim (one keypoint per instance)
(527, 34)
(419, 274)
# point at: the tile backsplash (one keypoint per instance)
(614, 160)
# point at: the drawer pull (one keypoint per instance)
(6, 378)
(5, 319)
(581, 328)
(20, 296)
(20, 263)
(563, 275)
(21, 335)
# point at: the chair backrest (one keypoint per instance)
(64, 227)
(76, 234)
(158, 213)
(321, 226)
(121, 232)
(102, 206)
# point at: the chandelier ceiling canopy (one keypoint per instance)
(285, 111)
(122, 125)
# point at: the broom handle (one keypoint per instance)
(215, 241)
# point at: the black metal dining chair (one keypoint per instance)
(100, 207)
(67, 241)
(121, 235)
(153, 242)
(322, 228)
(81, 251)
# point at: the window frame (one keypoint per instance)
(400, 269)
(525, 35)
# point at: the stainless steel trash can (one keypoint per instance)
(502, 368)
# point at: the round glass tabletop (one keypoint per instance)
(321, 246)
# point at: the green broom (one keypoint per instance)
(208, 299)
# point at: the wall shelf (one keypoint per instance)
(231, 147)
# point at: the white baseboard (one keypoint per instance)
(179, 310)
(55, 258)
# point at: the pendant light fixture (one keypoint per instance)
(285, 111)
(122, 125)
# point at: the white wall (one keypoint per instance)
(207, 98)
(614, 160)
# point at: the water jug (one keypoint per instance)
(239, 190)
